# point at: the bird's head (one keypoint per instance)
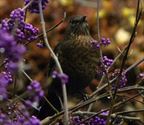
(78, 26)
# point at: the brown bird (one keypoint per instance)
(78, 58)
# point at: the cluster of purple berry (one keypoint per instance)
(16, 25)
(34, 8)
(16, 114)
(12, 53)
(62, 76)
(9, 47)
(94, 121)
(98, 121)
(95, 44)
(35, 91)
(14, 32)
(5, 80)
(123, 79)
(105, 41)
(107, 62)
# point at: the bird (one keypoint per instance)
(79, 59)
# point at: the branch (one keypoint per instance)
(66, 118)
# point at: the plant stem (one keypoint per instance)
(138, 16)
(66, 118)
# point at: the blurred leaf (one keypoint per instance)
(127, 11)
(122, 36)
(132, 20)
(107, 5)
(66, 2)
(102, 13)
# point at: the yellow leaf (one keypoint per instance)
(66, 2)
(102, 13)
(127, 11)
(132, 20)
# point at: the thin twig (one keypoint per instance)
(49, 103)
(48, 30)
(107, 109)
(53, 27)
(126, 96)
(98, 35)
(26, 75)
(129, 117)
(134, 65)
(100, 50)
(89, 101)
(127, 112)
(14, 86)
(116, 58)
(73, 109)
(129, 88)
(66, 117)
(106, 84)
(26, 6)
(101, 54)
(138, 15)
(115, 115)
